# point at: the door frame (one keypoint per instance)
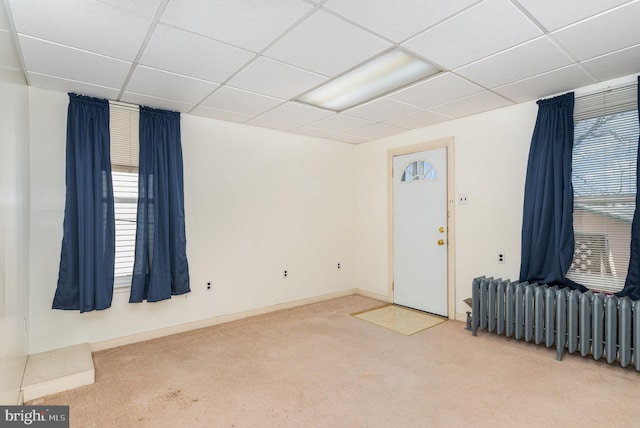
(448, 144)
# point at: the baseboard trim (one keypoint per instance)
(461, 317)
(373, 295)
(457, 316)
(181, 328)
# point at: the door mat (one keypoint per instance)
(400, 319)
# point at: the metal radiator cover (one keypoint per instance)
(591, 323)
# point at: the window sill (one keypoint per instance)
(121, 289)
(122, 284)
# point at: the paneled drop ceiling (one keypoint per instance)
(246, 60)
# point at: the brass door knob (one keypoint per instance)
(440, 241)
(441, 230)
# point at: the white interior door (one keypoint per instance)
(420, 230)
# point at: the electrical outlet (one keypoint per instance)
(209, 286)
(501, 257)
(463, 198)
(285, 274)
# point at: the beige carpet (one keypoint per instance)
(400, 319)
(318, 366)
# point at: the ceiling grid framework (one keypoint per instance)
(246, 61)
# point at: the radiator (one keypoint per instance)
(596, 324)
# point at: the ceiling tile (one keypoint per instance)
(175, 50)
(239, 101)
(8, 53)
(64, 85)
(554, 14)
(269, 77)
(220, 114)
(596, 36)
(473, 104)
(87, 46)
(318, 133)
(289, 116)
(617, 64)
(440, 89)
(247, 24)
(381, 109)
(339, 123)
(147, 8)
(397, 21)
(327, 45)
(375, 131)
(351, 139)
(482, 30)
(547, 84)
(161, 103)
(82, 24)
(157, 83)
(12, 75)
(418, 119)
(62, 61)
(526, 60)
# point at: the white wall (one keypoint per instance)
(491, 152)
(14, 238)
(257, 201)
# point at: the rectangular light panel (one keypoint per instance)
(379, 76)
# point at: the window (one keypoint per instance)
(125, 193)
(604, 185)
(123, 126)
(419, 171)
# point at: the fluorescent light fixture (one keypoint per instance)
(379, 76)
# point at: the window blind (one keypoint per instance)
(125, 193)
(124, 125)
(614, 100)
(124, 128)
(604, 184)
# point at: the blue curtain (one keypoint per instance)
(632, 283)
(547, 225)
(85, 278)
(160, 269)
